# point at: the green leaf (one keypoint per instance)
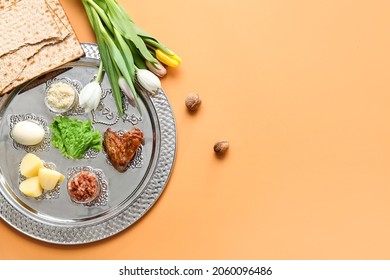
(109, 67)
(121, 21)
(74, 137)
(126, 53)
(138, 59)
(101, 13)
(154, 43)
(128, 59)
(113, 77)
(120, 63)
(143, 34)
(102, 4)
(89, 14)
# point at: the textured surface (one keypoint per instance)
(137, 208)
(65, 50)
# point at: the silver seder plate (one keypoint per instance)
(125, 197)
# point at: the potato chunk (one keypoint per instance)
(30, 165)
(49, 178)
(31, 187)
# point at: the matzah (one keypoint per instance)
(13, 64)
(50, 55)
(6, 3)
(19, 28)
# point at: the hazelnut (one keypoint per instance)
(193, 101)
(221, 147)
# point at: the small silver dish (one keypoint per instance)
(78, 193)
(61, 108)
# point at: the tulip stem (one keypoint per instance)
(99, 75)
(157, 45)
(101, 13)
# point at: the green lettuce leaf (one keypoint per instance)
(74, 137)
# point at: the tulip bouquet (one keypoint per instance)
(128, 55)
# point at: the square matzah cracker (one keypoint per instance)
(20, 28)
(6, 3)
(12, 64)
(50, 56)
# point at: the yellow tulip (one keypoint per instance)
(177, 57)
(169, 60)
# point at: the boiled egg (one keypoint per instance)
(28, 133)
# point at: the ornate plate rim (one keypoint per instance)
(128, 216)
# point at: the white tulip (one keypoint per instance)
(90, 96)
(148, 80)
(126, 90)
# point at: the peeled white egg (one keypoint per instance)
(28, 133)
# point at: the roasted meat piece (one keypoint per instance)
(121, 148)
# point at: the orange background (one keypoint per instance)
(301, 90)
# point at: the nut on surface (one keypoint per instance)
(193, 101)
(221, 147)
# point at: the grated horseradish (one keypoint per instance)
(60, 96)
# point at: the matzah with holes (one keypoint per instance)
(23, 60)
